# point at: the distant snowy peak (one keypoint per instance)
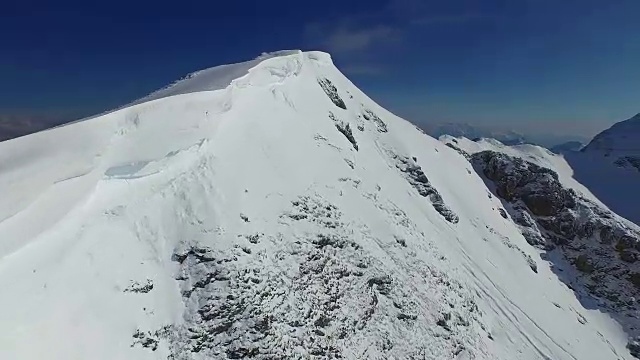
(528, 151)
(475, 132)
(620, 145)
(567, 146)
(506, 136)
(622, 137)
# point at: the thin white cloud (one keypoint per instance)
(342, 38)
(447, 19)
(362, 69)
(386, 25)
(408, 9)
(361, 39)
(420, 12)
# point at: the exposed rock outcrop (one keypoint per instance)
(345, 129)
(369, 115)
(332, 92)
(416, 177)
(317, 292)
(602, 247)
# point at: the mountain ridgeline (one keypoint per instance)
(271, 210)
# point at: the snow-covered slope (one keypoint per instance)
(284, 215)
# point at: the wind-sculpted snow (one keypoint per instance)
(284, 215)
(215, 78)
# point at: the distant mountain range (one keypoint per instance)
(468, 131)
(505, 136)
(13, 126)
(567, 146)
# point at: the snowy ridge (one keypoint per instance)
(602, 179)
(610, 166)
(532, 153)
(473, 132)
(215, 78)
(285, 215)
(211, 79)
(622, 137)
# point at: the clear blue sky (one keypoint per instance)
(569, 65)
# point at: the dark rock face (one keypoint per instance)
(584, 264)
(417, 178)
(137, 287)
(634, 347)
(332, 92)
(460, 151)
(371, 116)
(601, 247)
(345, 129)
(150, 339)
(536, 186)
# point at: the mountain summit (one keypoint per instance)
(610, 167)
(271, 210)
(620, 139)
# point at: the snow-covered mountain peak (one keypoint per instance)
(271, 210)
(610, 166)
(509, 137)
(622, 138)
(219, 77)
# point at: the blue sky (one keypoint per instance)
(569, 66)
